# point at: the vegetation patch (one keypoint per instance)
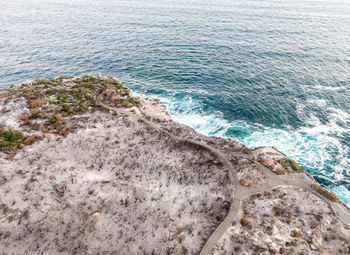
(53, 101)
(333, 197)
(289, 165)
(9, 140)
(74, 95)
(35, 114)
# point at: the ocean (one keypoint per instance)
(273, 73)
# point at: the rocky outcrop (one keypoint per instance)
(87, 168)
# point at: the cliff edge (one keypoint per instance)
(88, 168)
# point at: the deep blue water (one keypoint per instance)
(267, 72)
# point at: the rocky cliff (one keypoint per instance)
(87, 168)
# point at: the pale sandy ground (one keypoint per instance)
(285, 220)
(116, 185)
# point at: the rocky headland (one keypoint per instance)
(88, 168)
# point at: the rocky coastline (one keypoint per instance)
(88, 168)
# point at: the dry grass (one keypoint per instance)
(333, 197)
(244, 222)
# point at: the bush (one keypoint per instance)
(288, 163)
(10, 139)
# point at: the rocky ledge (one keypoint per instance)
(87, 168)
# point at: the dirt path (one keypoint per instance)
(301, 180)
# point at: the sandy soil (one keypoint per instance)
(285, 220)
(112, 186)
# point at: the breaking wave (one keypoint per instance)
(317, 147)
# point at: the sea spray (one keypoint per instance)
(315, 148)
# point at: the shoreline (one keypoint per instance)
(318, 153)
(203, 133)
(84, 105)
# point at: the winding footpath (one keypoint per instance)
(302, 180)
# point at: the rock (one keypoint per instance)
(180, 236)
(96, 214)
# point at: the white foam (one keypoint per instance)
(313, 146)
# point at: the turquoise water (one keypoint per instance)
(267, 72)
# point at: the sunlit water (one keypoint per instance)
(267, 72)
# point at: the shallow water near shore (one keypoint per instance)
(266, 72)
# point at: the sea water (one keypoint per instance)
(268, 72)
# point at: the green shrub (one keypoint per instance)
(10, 139)
(288, 163)
(65, 108)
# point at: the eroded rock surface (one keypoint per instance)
(82, 171)
(285, 220)
(111, 185)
